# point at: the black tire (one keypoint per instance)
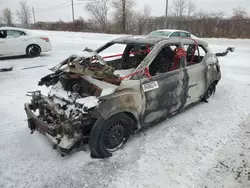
(209, 93)
(33, 51)
(109, 136)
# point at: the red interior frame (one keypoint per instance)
(180, 52)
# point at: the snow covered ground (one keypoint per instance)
(205, 146)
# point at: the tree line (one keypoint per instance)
(120, 16)
(23, 14)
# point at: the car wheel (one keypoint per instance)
(209, 93)
(33, 51)
(109, 136)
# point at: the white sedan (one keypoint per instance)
(171, 33)
(16, 41)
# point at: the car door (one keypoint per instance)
(16, 42)
(185, 34)
(2, 43)
(196, 76)
(2, 47)
(163, 93)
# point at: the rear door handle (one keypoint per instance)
(1, 42)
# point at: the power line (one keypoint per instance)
(53, 9)
(58, 8)
(73, 10)
(55, 6)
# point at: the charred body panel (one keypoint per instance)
(162, 81)
(165, 97)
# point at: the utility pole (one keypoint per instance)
(73, 12)
(124, 16)
(34, 16)
(166, 16)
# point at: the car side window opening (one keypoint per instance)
(13, 33)
(166, 61)
(123, 56)
(175, 34)
(135, 54)
(183, 34)
(194, 54)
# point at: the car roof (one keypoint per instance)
(172, 30)
(155, 40)
(13, 28)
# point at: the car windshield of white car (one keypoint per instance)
(159, 33)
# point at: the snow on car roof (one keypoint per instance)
(172, 30)
(155, 40)
(138, 40)
(13, 28)
(27, 31)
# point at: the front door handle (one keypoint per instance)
(1, 42)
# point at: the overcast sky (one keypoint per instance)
(157, 7)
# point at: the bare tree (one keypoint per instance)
(99, 11)
(239, 13)
(7, 17)
(24, 14)
(123, 12)
(239, 16)
(178, 7)
(191, 7)
(142, 20)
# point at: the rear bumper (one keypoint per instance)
(46, 46)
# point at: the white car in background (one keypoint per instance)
(171, 33)
(16, 41)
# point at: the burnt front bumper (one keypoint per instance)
(35, 123)
(61, 142)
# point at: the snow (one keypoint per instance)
(125, 72)
(66, 143)
(107, 91)
(85, 54)
(205, 146)
(88, 102)
(58, 91)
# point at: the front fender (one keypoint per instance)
(127, 101)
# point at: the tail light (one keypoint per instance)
(45, 38)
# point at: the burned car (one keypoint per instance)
(101, 100)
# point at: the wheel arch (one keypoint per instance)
(31, 45)
(135, 120)
(132, 113)
(215, 82)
